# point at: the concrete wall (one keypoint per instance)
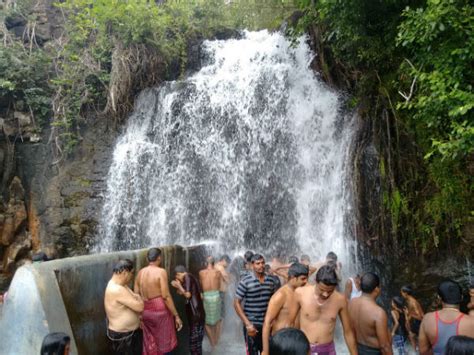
(67, 295)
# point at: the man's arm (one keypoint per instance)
(130, 299)
(136, 284)
(240, 312)
(165, 293)
(224, 274)
(395, 322)
(349, 336)
(274, 306)
(239, 296)
(381, 330)
(418, 310)
(294, 310)
(348, 289)
(423, 341)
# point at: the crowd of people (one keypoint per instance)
(285, 308)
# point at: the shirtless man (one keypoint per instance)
(281, 303)
(211, 280)
(160, 317)
(437, 327)
(123, 308)
(319, 306)
(331, 259)
(222, 266)
(369, 319)
(306, 260)
(414, 314)
(282, 271)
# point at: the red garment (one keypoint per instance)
(159, 334)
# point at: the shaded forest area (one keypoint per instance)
(406, 65)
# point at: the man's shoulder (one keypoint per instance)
(114, 289)
(247, 278)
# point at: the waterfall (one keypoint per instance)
(250, 152)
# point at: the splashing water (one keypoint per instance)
(250, 152)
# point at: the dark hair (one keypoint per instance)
(297, 269)
(153, 254)
(225, 258)
(369, 282)
(210, 260)
(471, 282)
(399, 302)
(123, 265)
(38, 257)
(407, 289)
(289, 341)
(248, 256)
(332, 256)
(267, 267)
(55, 343)
(179, 269)
(450, 292)
(293, 259)
(256, 257)
(327, 275)
(305, 257)
(459, 345)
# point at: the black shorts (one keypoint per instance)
(127, 343)
(415, 326)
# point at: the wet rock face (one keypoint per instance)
(14, 238)
(49, 206)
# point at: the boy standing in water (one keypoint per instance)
(211, 280)
(282, 302)
(414, 314)
(399, 328)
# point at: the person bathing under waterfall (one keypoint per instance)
(188, 287)
(318, 308)
(251, 301)
(159, 317)
(222, 266)
(281, 304)
(437, 327)
(211, 280)
(414, 314)
(123, 308)
(369, 319)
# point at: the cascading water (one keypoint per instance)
(250, 151)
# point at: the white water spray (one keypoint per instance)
(250, 152)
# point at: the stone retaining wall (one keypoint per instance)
(67, 295)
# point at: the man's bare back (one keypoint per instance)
(318, 320)
(365, 313)
(286, 296)
(149, 282)
(210, 279)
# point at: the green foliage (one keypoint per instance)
(23, 80)
(440, 42)
(134, 30)
(415, 59)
